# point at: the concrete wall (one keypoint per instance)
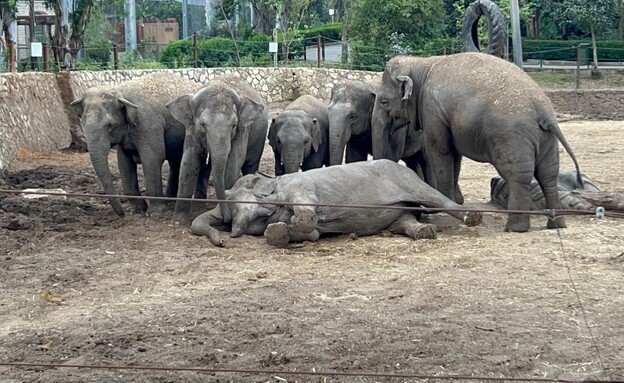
(34, 113)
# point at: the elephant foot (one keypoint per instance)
(181, 219)
(304, 221)
(473, 218)
(276, 234)
(139, 206)
(556, 223)
(423, 231)
(518, 223)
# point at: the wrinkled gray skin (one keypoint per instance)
(566, 182)
(226, 122)
(350, 110)
(299, 136)
(473, 105)
(132, 118)
(395, 185)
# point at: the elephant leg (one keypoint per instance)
(279, 234)
(129, 179)
(355, 153)
(189, 171)
(279, 167)
(546, 173)
(518, 176)
(304, 219)
(440, 159)
(152, 170)
(174, 176)
(459, 197)
(407, 224)
(207, 224)
(201, 188)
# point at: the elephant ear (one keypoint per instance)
(249, 111)
(317, 135)
(130, 110)
(273, 135)
(407, 86)
(180, 109)
(261, 186)
(78, 106)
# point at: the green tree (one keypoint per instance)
(8, 8)
(596, 15)
(381, 29)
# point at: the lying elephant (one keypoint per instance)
(299, 136)
(381, 182)
(474, 105)
(131, 117)
(572, 195)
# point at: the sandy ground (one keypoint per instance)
(82, 286)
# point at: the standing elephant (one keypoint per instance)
(350, 111)
(132, 118)
(299, 136)
(478, 106)
(226, 121)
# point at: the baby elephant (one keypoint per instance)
(299, 136)
(381, 182)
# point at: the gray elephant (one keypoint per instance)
(226, 121)
(350, 110)
(132, 118)
(299, 136)
(395, 185)
(473, 105)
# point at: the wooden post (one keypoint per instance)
(444, 51)
(195, 50)
(12, 63)
(115, 56)
(323, 50)
(578, 66)
(318, 51)
(46, 58)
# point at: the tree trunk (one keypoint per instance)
(621, 27)
(262, 17)
(345, 36)
(65, 46)
(593, 36)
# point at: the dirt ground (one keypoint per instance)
(82, 286)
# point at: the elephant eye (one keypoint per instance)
(279, 142)
(385, 104)
(306, 140)
(352, 118)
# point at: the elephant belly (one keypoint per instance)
(358, 221)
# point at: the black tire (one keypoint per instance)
(496, 28)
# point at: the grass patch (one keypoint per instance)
(550, 78)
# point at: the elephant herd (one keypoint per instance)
(428, 112)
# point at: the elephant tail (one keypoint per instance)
(552, 126)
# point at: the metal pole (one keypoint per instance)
(578, 66)
(131, 34)
(195, 50)
(31, 31)
(318, 51)
(275, 53)
(515, 33)
(184, 19)
(115, 56)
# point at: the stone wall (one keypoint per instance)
(34, 111)
(32, 115)
(606, 104)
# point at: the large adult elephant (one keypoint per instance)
(478, 106)
(132, 118)
(226, 122)
(350, 111)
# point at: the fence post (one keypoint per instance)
(318, 51)
(195, 50)
(115, 56)
(578, 66)
(444, 51)
(46, 58)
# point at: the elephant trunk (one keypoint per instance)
(292, 159)
(99, 148)
(387, 143)
(219, 153)
(339, 135)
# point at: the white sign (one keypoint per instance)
(36, 50)
(273, 47)
(331, 11)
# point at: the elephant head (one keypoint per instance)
(107, 119)
(294, 135)
(395, 110)
(252, 218)
(349, 116)
(218, 119)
